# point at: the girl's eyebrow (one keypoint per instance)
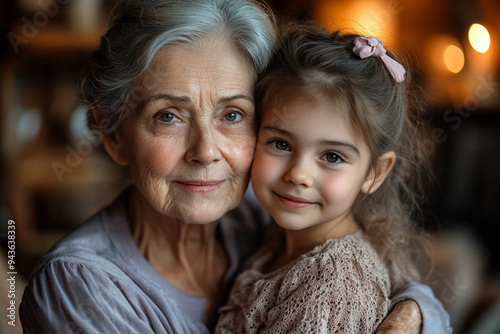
(335, 143)
(275, 129)
(347, 146)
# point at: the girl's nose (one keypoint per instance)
(299, 173)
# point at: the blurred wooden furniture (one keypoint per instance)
(55, 175)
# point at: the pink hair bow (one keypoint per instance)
(373, 47)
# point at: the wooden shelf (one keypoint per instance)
(56, 39)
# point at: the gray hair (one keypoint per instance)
(140, 28)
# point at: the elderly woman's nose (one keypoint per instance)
(204, 147)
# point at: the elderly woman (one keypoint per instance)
(171, 92)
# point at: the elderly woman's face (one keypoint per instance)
(190, 142)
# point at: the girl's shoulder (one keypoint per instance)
(350, 258)
(345, 279)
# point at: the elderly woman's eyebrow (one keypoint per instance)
(161, 96)
(187, 101)
(235, 97)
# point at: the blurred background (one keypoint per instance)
(54, 174)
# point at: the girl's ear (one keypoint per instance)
(377, 176)
(113, 142)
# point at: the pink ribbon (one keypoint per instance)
(373, 47)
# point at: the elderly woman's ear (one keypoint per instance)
(112, 141)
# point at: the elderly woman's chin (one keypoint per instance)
(191, 202)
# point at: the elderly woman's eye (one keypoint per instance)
(232, 117)
(167, 117)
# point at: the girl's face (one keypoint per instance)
(309, 167)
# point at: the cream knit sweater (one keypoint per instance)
(340, 286)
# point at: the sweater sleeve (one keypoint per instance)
(66, 297)
(435, 318)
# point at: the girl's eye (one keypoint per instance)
(167, 117)
(280, 145)
(232, 116)
(332, 158)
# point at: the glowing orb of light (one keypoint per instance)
(479, 38)
(454, 58)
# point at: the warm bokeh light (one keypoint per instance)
(479, 38)
(367, 17)
(454, 58)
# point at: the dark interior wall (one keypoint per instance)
(466, 193)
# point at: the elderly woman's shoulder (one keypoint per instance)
(90, 244)
(87, 244)
(82, 266)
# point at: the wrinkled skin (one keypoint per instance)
(404, 319)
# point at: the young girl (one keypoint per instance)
(337, 166)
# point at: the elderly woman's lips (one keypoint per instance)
(201, 186)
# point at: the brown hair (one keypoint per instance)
(386, 114)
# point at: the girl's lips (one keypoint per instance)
(201, 186)
(294, 202)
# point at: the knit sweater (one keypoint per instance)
(341, 286)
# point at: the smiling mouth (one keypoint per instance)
(201, 186)
(294, 202)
